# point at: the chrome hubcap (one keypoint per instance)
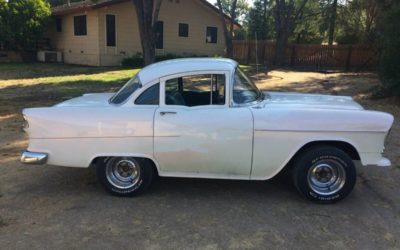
(326, 177)
(122, 173)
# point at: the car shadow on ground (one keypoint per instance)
(54, 181)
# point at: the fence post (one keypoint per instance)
(348, 60)
(293, 56)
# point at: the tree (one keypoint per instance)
(22, 23)
(332, 22)
(259, 20)
(309, 27)
(241, 11)
(4, 27)
(356, 22)
(147, 12)
(228, 31)
(287, 12)
(389, 66)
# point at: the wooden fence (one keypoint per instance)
(308, 56)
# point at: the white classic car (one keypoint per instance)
(204, 118)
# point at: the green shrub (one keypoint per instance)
(168, 56)
(133, 61)
(23, 23)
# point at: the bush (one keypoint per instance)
(22, 23)
(168, 56)
(133, 61)
(389, 68)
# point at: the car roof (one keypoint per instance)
(170, 67)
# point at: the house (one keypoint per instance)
(103, 32)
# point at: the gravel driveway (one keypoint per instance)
(43, 207)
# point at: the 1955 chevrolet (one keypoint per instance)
(204, 118)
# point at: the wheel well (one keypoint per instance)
(344, 146)
(96, 160)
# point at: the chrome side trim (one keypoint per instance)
(316, 131)
(34, 158)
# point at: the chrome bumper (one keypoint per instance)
(34, 158)
(384, 162)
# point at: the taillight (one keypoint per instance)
(25, 124)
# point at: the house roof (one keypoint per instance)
(89, 5)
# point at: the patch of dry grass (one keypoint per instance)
(38, 84)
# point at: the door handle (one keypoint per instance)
(167, 113)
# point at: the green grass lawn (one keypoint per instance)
(39, 84)
(50, 83)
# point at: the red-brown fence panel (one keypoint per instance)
(312, 56)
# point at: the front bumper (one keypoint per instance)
(384, 162)
(34, 158)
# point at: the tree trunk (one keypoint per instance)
(281, 30)
(263, 34)
(228, 34)
(229, 48)
(332, 22)
(280, 49)
(147, 14)
(149, 53)
(285, 19)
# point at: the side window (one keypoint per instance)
(150, 96)
(159, 26)
(111, 35)
(184, 30)
(211, 36)
(80, 28)
(58, 24)
(196, 90)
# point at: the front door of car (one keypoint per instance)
(196, 133)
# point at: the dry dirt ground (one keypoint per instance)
(44, 207)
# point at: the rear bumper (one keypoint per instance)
(34, 158)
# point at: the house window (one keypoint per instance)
(58, 24)
(111, 30)
(80, 25)
(212, 33)
(159, 35)
(183, 30)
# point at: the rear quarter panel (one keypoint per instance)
(74, 136)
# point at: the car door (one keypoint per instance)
(197, 133)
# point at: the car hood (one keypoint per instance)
(297, 100)
(93, 100)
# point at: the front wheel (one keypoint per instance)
(124, 176)
(324, 174)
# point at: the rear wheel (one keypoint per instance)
(324, 174)
(125, 176)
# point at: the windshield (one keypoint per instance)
(244, 90)
(126, 91)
